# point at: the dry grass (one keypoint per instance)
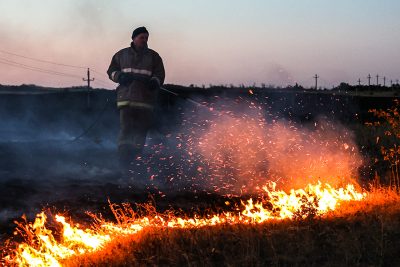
(363, 233)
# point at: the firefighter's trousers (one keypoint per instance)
(134, 125)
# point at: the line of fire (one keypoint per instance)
(228, 176)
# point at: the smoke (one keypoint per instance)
(325, 152)
(278, 75)
(38, 137)
(239, 148)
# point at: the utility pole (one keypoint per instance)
(377, 79)
(316, 81)
(88, 80)
(384, 81)
(369, 79)
(391, 82)
(359, 84)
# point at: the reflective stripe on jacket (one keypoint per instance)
(146, 63)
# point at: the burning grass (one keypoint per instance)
(315, 225)
(365, 238)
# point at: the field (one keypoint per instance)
(200, 166)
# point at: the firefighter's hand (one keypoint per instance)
(125, 78)
(154, 83)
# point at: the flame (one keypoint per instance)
(318, 199)
(43, 249)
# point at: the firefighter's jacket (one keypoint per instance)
(145, 64)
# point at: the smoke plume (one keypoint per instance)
(238, 151)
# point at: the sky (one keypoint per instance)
(203, 42)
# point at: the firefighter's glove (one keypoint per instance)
(125, 78)
(154, 83)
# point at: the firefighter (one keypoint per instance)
(139, 71)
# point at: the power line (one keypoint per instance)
(46, 71)
(41, 60)
(24, 66)
(103, 74)
(33, 68)
(98, 72)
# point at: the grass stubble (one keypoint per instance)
(357, 233)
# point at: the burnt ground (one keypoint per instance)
(75, 177)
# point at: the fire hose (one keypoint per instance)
(94, 123)
(198, 104)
